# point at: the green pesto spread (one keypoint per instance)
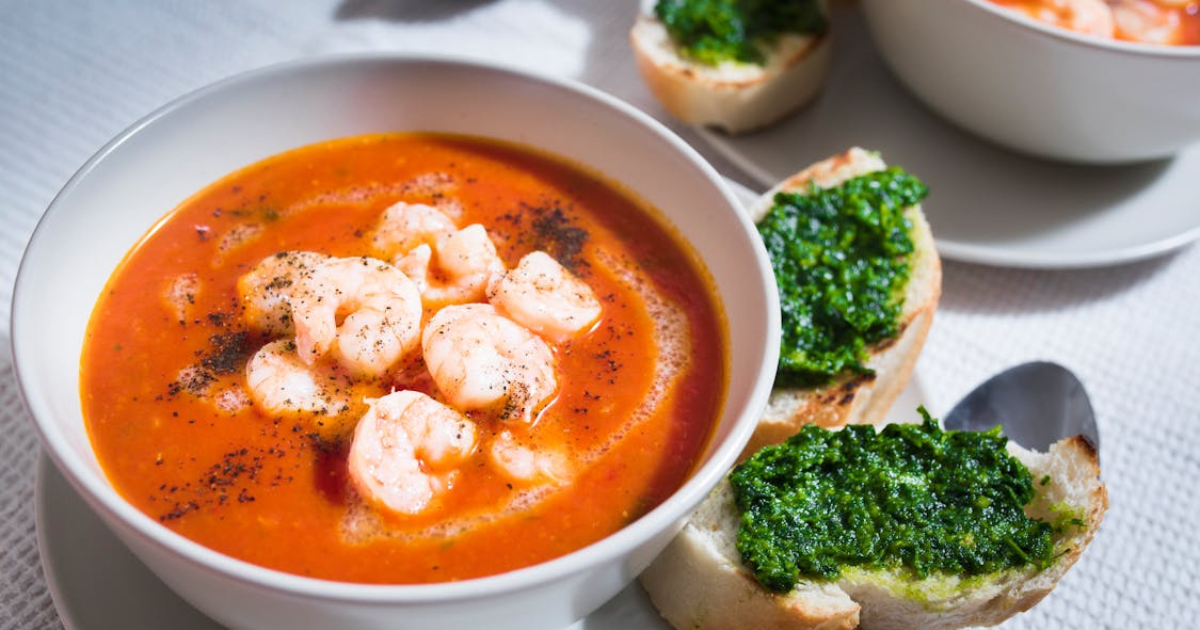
(910, 497)
(712, 31)
(841, 258)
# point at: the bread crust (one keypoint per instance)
(857, 398)
(735, 97)
(700, 583)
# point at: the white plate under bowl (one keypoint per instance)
(986, 205)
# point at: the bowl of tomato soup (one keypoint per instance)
(1087, 81)
(384, 341)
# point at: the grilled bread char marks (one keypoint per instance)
(700, 583)
(736, 97)
(856, 398)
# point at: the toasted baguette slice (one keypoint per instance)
(736, 97)
(854, 398)
(700, 583)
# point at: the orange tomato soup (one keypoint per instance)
(165, 395)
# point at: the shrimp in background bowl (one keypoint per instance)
(1163, 22)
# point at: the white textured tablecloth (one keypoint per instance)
(75, 73)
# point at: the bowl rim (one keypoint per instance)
(102, 497)
(1086, 41)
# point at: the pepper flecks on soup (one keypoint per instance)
(404, 358)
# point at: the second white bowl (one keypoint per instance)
(1039, 89)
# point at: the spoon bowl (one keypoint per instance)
(1037, 403)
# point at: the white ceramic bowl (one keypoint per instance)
(134, 180)
(1040, 89)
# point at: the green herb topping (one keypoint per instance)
(712, 31)
(841, 259)
(910, 496)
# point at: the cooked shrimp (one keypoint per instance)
(526, 461)
(283, 385)
(543, 296)
(266, 290)
(467, 262)
(405, 451)
(1091, 17)
(1148, 22)
(450, 266)
(480, 359)
(404, 226)
(415, 265)
(381, 309)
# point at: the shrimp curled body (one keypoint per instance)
(406, 450)
(283, 385)
(379, 308)
(1091, 17)
(405, 226)
(542, 295)
(266, 290)
(449, 265)
(467, 259)
(528, 460)
(480, 359)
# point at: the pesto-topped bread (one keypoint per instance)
(735, 64)
(859, 279)
(910, 527)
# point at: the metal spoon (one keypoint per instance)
(1037, 403)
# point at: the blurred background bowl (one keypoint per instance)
(145, 172)
(1040, 89)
